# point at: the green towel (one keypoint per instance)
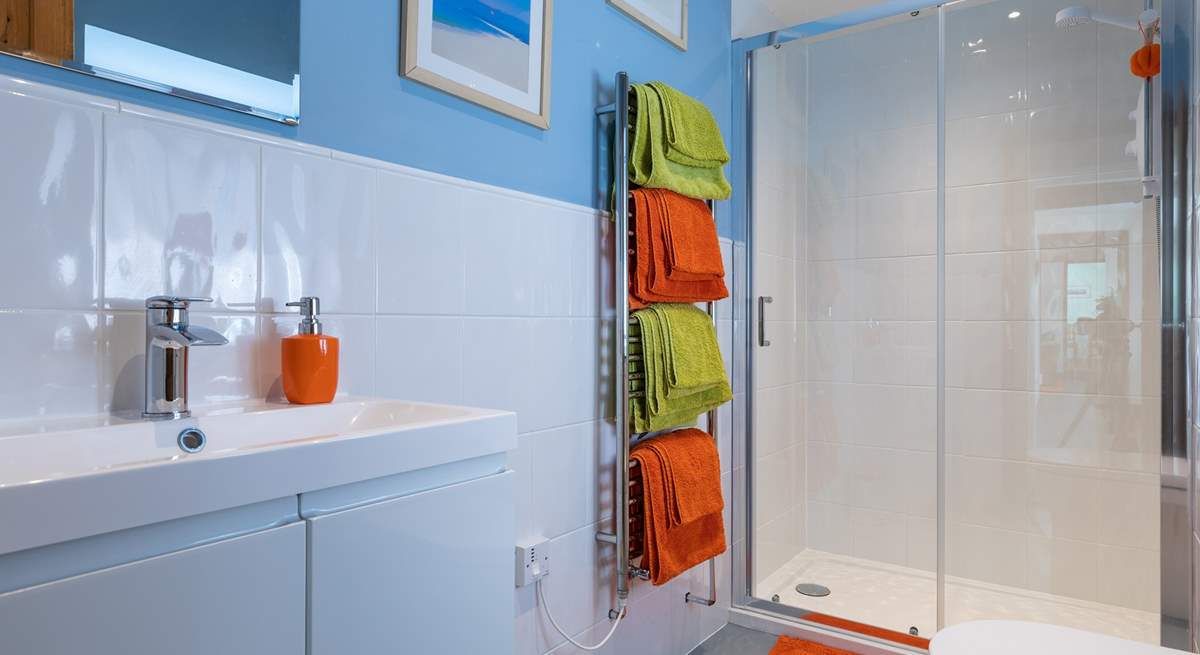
(679, 418)
(682, 374)
(693, 138)
(649, 165)
(689, 331)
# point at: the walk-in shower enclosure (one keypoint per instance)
(962, 253)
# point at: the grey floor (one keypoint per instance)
(736, 640)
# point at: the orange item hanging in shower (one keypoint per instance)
(1147, 61)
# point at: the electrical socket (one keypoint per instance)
(533, 562)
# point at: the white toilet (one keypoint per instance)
(1025, 638)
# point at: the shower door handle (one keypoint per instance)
(763, 301)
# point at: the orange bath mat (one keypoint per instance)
(793, 646)
(868, 630)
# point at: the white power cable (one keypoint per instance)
(546, 606)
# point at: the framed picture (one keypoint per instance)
(495, 53)
(668, 18)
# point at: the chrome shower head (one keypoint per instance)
(1073, 16)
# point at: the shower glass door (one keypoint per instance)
(1032, 491)
(1052, 323)
(845, 240)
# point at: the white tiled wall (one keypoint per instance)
(440, 290)
(1051, 298)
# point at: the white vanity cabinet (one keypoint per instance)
(429, 572)
(365, 526)
(240, 595)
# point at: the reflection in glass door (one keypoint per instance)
(1052, 323)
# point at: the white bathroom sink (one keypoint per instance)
(49, 451)
(66, 479)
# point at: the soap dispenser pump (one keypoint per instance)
(309, 358)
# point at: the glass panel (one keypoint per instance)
(1052, 324)
(845, 222)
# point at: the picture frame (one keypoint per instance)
(494, 53)
(667, 18)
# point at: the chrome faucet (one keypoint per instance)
(169, 336)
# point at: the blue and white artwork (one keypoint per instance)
(488, 36)
(495, 53)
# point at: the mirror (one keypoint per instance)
(240, 55)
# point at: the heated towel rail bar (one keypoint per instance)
(627, 509)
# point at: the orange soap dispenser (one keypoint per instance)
(310, 359)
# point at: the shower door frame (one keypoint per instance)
(1172, 98)
(1176, 89)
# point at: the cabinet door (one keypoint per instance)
(242, 595)
(428, 573)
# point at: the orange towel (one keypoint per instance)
(793, 646)
(693, 250)
(690, 494)
(683, 505)
(649, 279)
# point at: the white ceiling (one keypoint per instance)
(753, 17)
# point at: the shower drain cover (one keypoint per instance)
(809, 589)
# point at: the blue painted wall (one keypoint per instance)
(353, 98)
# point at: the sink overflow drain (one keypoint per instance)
(192, 440)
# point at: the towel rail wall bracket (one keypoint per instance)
(620, 535)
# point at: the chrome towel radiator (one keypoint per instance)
(627, 511)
